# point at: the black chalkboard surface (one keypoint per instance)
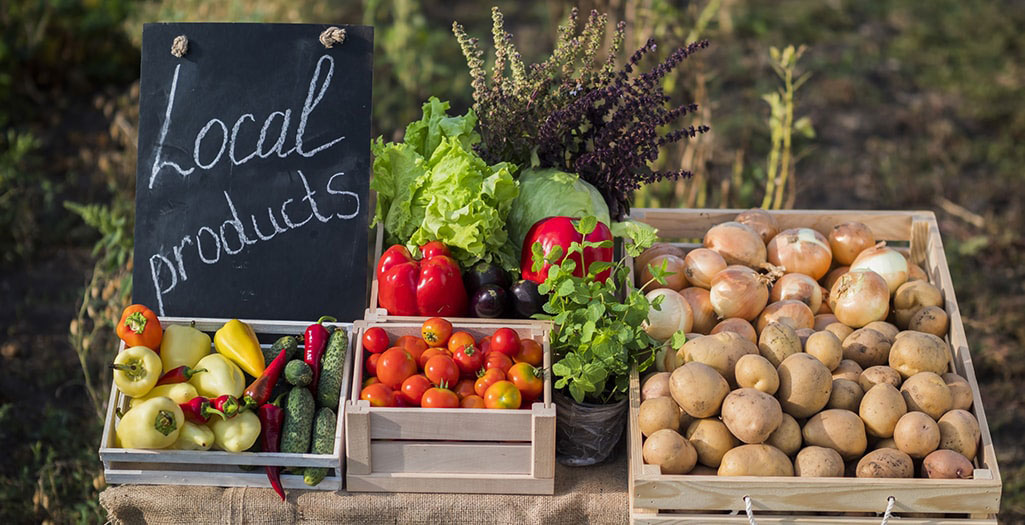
(253, 175)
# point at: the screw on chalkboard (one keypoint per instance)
(331, 36)
(180, 46)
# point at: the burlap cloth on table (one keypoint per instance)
(582, 495)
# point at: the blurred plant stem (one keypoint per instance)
(779, 168)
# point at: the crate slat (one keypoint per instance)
(457, 457)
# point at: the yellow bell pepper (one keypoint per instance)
(178, 392)
(194, 437)
(153, 424)
(222, 376)
(236, 434)
(136, 370)
(237, 341)
(183, 345)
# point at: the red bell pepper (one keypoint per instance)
(560, 231)
(179, 375)
(199, 410)
(272, 416)
(315, 339)
(434, 248)
(258, 392)
(432, 286)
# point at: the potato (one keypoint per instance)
(874, 375)
(867, 347)
(818, 462)
(777, 342)
(825, 347)
(887, 329)
(670, 451)
(840, 430)
(804, 385)
(847, 369)
(885, 463)
(886, 443)
(947, 464)
(756, 460)
(755, 371)
(931, 320)
(720, 351)
(673, 315)
(655, 385)
(881, 407)
(960, 390)
(916, 434)
(803, 334)
(711, 439)
(698, 389)
(840, 330)
(823, 320)
(675, 278)
(787, 438)
(702, 470)
(926, 392)
(913, 296)
(658, 413)
(846, 394)
(959, 431)
(914, 352)
(751, 415)
(738, 326)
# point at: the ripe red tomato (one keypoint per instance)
(428, 354)
(375, 340)
(497, 360)
(487, 379)
(528, 380)
(442, 370)
(371, 381)
(413, 388)
(439, 398)
(434, 248)
(459, 340)
(378, 395)
(472, 401)
(371, 365)
(394, 366)
(469, 360)
(436, 331)
(502, 395)
(464, 388)
(530, 352)
(506, 341)
(485, 345)
(412, 344)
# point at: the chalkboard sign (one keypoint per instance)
(253, 175)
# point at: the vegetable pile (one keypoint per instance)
(807, 354)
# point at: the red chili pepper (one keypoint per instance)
(258, 392)
(227, 404)
(199, 410)
(271, 418)
(179, 375)
(315, 339)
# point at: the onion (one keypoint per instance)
(887, 262)
(737, 326)
(800, 287)
(737, 243)
(916, 273)
(824, 320)
(673, 314)
(761, 221)
(701, 307)
(701, 264)
(676, 279)
(659, 248)
(860, 297)
(801, 250)
(738, 291)
(795, 313)
(824, 307)
(833, 275)
(803, 334)
(849, 239)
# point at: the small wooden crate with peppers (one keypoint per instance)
(167, 466)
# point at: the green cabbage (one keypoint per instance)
(553, 193)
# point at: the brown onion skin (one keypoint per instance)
(824, 308)
(916, 273)
(738, 326)
(737, 243)
(701, 308)
(659, 248)
(761, 221)
(860, 297)
(801, 250)
(795, 313)
(674, 266)
(738, 291)
(878, 256)
(700, 266)
(824, 320)
(830, 279)
(799, 287)
(849, 239)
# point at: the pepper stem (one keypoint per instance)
(164, 422)
(327, 318)
(190, 372)
(136, 322)
(211, 411)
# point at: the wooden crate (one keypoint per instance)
(657, 498)
(213, 467)
(392, 449)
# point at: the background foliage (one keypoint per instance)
(909, 105)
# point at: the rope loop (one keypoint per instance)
(750, 512)
(331, 36)
(888, 513)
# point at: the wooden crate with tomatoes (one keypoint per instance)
(406, 434)
(166, 466)
(701, 496)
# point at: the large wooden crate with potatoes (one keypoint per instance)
(702, 496)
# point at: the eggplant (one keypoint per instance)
(526, 301)
(484, 273)
(490, 300)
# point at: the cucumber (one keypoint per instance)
(298, 373)
(323, 443)
(331, 368)
(284, 342)
(298, 424)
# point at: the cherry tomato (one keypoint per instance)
(436, 331)
(413, 388)
(487, 379)
(502, 395)
(472, 401)
(506, 341)
(412, 344)
(428, 354)
(530, 352)
(485, 345)
(439, 397)
(464, 388)
(371, 366)
(395, 366)
(375, 340)
(469, 360)
(371, 381)
(378, 395)
(497, 360)
(528, 380)
(434, 248)
(459, 340)
(441, 369)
